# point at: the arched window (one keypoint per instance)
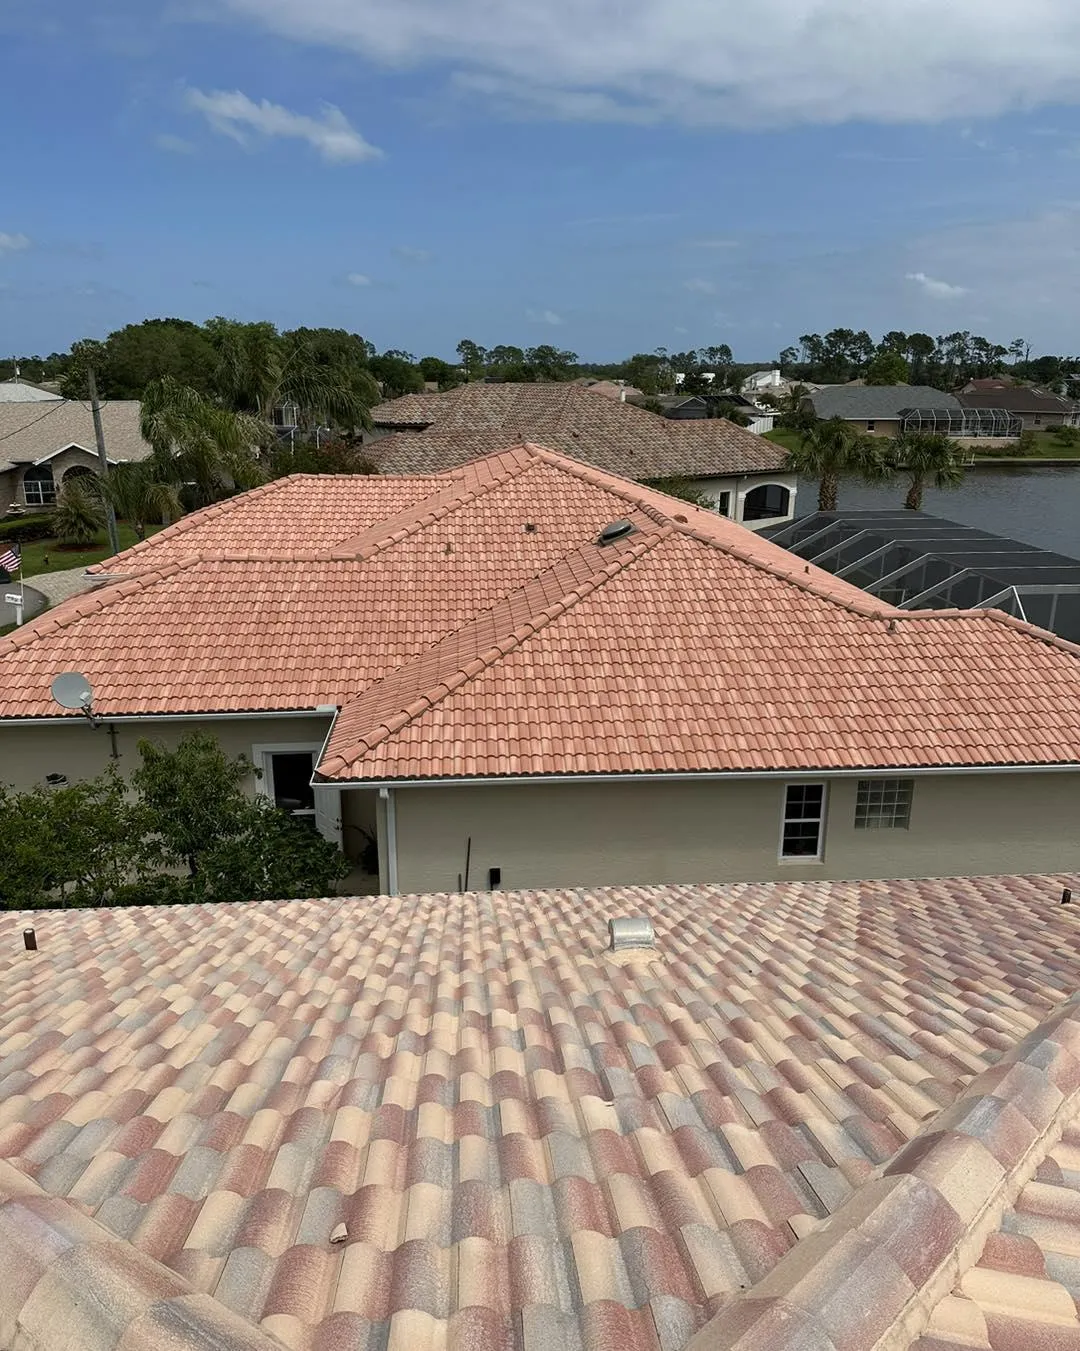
(76, 471)
(39, 487)
(767, 501)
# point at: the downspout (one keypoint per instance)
(387, 795)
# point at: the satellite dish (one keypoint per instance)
(72, 690)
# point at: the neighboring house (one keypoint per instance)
(762, 380)
(888, 410)
(531, 673)
(42, 444)
(694, 408)
(807, 1118)
(18, 391)
(1034, 408)
(618, 390)
(741, 473)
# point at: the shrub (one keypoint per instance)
(1068, 436)
(1028, 443)
(79, 516)
(26, 529)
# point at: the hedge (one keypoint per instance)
(27, 528)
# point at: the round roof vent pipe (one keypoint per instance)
(616, 530)
(630, 933)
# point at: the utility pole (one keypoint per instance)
(99, 436)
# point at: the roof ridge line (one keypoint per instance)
(465, 495)
(940, 1197)
(53, 1237)
(185, 523)
(599, 479)
(461, 675)
(87, 603)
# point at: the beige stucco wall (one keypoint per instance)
(709, 830)
(28, 753)
(739, 485)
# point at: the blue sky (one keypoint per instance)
(607, 175)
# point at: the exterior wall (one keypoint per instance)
(59, 464)
(27, 753)
(739, 485)
(880, 427)
(561, 835)
(8, 489)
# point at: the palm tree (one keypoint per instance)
(78, 516)
(923, 456)
(138, 493)
(260, 370)
(200, 443)
(834, 449)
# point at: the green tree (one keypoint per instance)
(330, 457)
(139, 494)
(473, 358)
(441, 372)
(924, 457)
(234, 848)
(271, 857)
(397, 374)
(200, 443)
(79, 515)
(71, 845)
(684, 489)
(193, 795)
(833, 450)
(888, 368)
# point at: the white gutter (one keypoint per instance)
(327, 712)
(889, 772)
(387, 795)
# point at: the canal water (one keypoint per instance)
(1039, 506)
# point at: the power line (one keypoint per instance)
(60, 403)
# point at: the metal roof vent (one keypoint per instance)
(614, 531)
(630, 933)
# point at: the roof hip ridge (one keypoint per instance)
(424, 514)
(454, 678)
(60, 1248)
(940, 1197)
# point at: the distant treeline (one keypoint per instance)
(193, 354)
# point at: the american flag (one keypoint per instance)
(10, 559)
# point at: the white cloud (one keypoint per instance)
(234, 114)
(174, 145)
(358, 279)
(13, 243)
(410, 255)
(544, 317)
(940, 290)
(816, 61)
(700, 286)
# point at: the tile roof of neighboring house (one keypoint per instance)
(531, 1143)
(1019, 399)
(886, 402)
(481, 631)
(33, 431)
(620, 438)
(18, 391)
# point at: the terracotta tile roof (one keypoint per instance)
(31, 431)
(309, 512)
(530, 1143)
(620, 438)
(507, 643)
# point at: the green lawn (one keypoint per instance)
(1047, 447)
(45, 555)
(784, 436)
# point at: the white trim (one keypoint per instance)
(819, 854)
(889, 772)
(72, 445)
(387, 796)
(170, 717)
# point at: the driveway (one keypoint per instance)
(42, 590)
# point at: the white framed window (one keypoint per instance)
(287, 768)
(883, 804)
(39, 486)
(871, 425)
(802, 825)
